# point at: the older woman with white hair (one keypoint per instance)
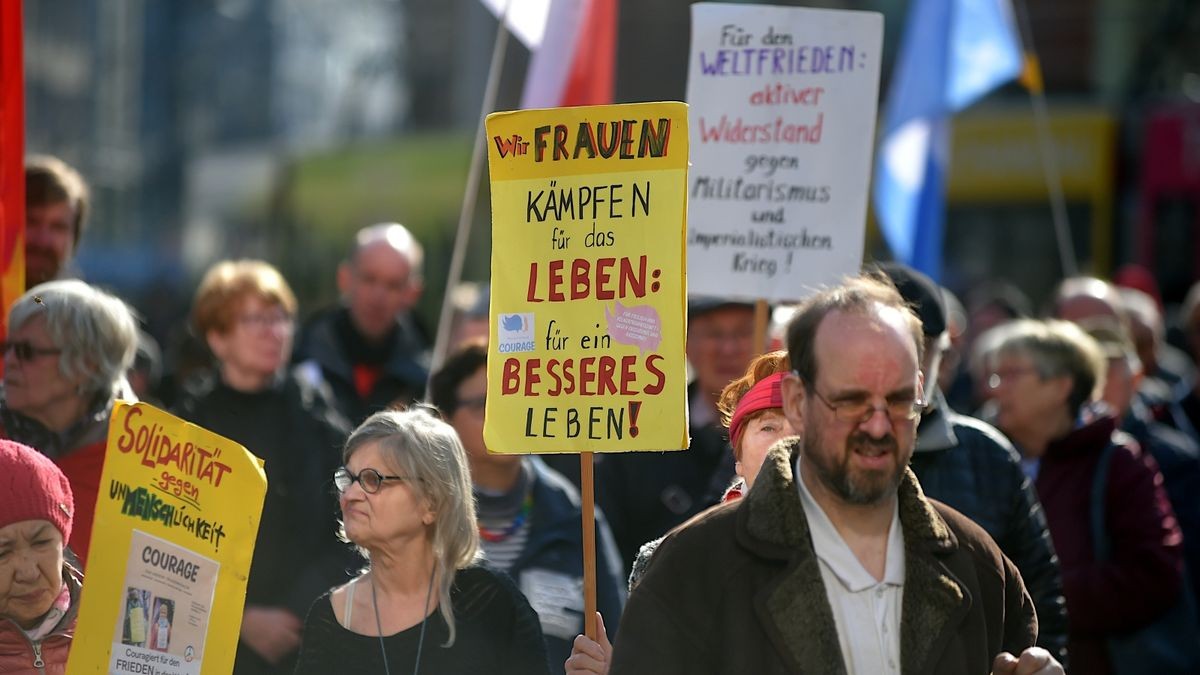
(424, 605)
(65, 358)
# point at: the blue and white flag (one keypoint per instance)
(953, 53)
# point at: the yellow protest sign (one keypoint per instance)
(588, 291)
(174, 533)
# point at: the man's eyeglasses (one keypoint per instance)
(25, 351)
(899, 411)
(370, 479)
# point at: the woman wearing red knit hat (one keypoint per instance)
(39, 589)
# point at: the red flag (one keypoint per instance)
(577, 59)
(12, 159)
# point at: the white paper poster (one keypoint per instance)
(783, 104)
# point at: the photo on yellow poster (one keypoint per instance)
(586, 342)
(174, 535)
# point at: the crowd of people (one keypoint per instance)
(908, 483)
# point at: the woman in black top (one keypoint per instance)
(424, 606)
(244, 311)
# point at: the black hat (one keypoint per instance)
(703, 304)
(922, 293)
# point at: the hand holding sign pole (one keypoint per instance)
(586, 350)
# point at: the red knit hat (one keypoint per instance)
(33, 488)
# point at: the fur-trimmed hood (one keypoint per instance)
(738, 589)
(772, 524)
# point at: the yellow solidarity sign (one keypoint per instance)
(174, 534)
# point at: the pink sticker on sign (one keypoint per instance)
(638, 326)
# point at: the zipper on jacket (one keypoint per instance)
(37, 657)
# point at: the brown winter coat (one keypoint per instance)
(738, 590)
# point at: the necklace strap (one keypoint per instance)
(424, 620)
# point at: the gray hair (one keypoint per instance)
(1057, 349)
(424, 447)
(95, 331)
(398, 237)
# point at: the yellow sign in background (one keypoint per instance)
(174, 534)
(586, 349)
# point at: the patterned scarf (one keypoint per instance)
(57, 611)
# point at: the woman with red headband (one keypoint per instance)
(752, 409)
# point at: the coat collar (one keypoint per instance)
(793, 605)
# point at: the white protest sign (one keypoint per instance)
(783, 103)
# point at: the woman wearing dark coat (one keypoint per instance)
(1046, 377)
(245, 311)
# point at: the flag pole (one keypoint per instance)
(467, 213)
(1031, 77)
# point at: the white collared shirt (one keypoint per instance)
(866, 611)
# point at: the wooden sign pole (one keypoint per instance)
(587, 486)
(761, 319)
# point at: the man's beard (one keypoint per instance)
(860, 487)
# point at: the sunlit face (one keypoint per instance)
(1023, 399)
(863, 359)
(467, 420)
(392, 515)
(378, 286)
(31, 563)
(49, 241)
(720, 344)
(35, 387)
(259, 342)
(758, 435)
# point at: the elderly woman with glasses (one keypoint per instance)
(244, 311)
(1114, 531)
(424, 604)
(68, 348)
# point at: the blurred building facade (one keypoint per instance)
(185, 116)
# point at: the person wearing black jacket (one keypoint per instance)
(369, 351)
(244, 310)
(969, 465)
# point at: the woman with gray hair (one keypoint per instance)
(1116, 537)
(424, 604)
(65, 358)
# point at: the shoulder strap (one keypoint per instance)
(349, 607)
(1099, 503)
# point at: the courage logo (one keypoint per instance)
(515, 332)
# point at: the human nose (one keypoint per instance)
(878, 423)
(25, 568)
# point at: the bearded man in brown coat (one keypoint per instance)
(835, 562)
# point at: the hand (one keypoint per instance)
(1033, 661)
(271, 632)
(588, 656)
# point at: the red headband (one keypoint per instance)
(764, 395)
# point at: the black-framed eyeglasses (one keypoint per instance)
(25, 351)
(898, 411)
(370, 479)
